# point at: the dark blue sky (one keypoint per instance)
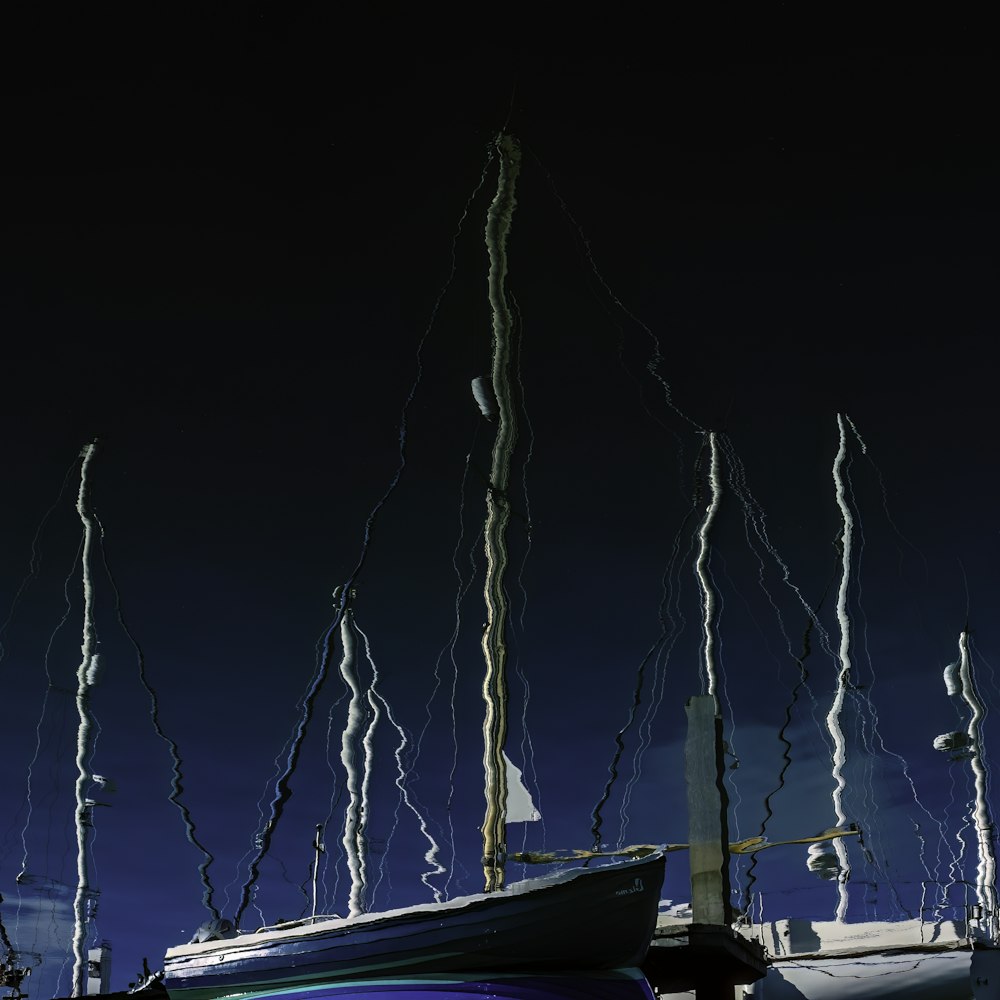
(224, 239)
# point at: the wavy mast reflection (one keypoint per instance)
(86, 678)
(960, 683)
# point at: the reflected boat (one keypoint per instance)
(876, 960)
(582, 920)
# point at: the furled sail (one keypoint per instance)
(482, 391)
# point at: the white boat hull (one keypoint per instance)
(908, 960)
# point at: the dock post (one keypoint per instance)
(708, 835)
(705, 955)
(708, 829)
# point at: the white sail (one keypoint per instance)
(520, 807)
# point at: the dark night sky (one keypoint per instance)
(223, 239)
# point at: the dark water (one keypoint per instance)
(234, 486)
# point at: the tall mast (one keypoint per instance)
(85, 677)
(986, 872)
(497, 518)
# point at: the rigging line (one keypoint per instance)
(261, 822)
(401, 775)
(278, 766)
(754, 521)
(656, 356)
(595, 815)
(905, 768)
(729, 746)
(786, 754)
(287, 879)
(526, 419)
(657, 689)
(411, 394)
(526, 744)
(866, 716)
(176, 763)
(980, 658)
(672, 624)
(255, 841)
(462, 588)
(756, 517)
(867, 699)
(49, 687)
(60, 750)
(656, 693)
(282, 786)
(514, 662)
(956, 859)
(864, 712)
(652, 368)
(735, 799)
(333, 802)
(885, 499)
(474, 547)
(34, 560)
(101, 782)
(34, 565)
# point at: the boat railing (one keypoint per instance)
(284, 925)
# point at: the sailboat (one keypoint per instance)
(595, 921)
(583, 919)
(916, 958)
(876, 960)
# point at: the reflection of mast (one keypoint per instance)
(701, 566)
(970, 745)
(497, 518)
(843, 676)
(319, 848)
(86, 675)
(354, 820)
